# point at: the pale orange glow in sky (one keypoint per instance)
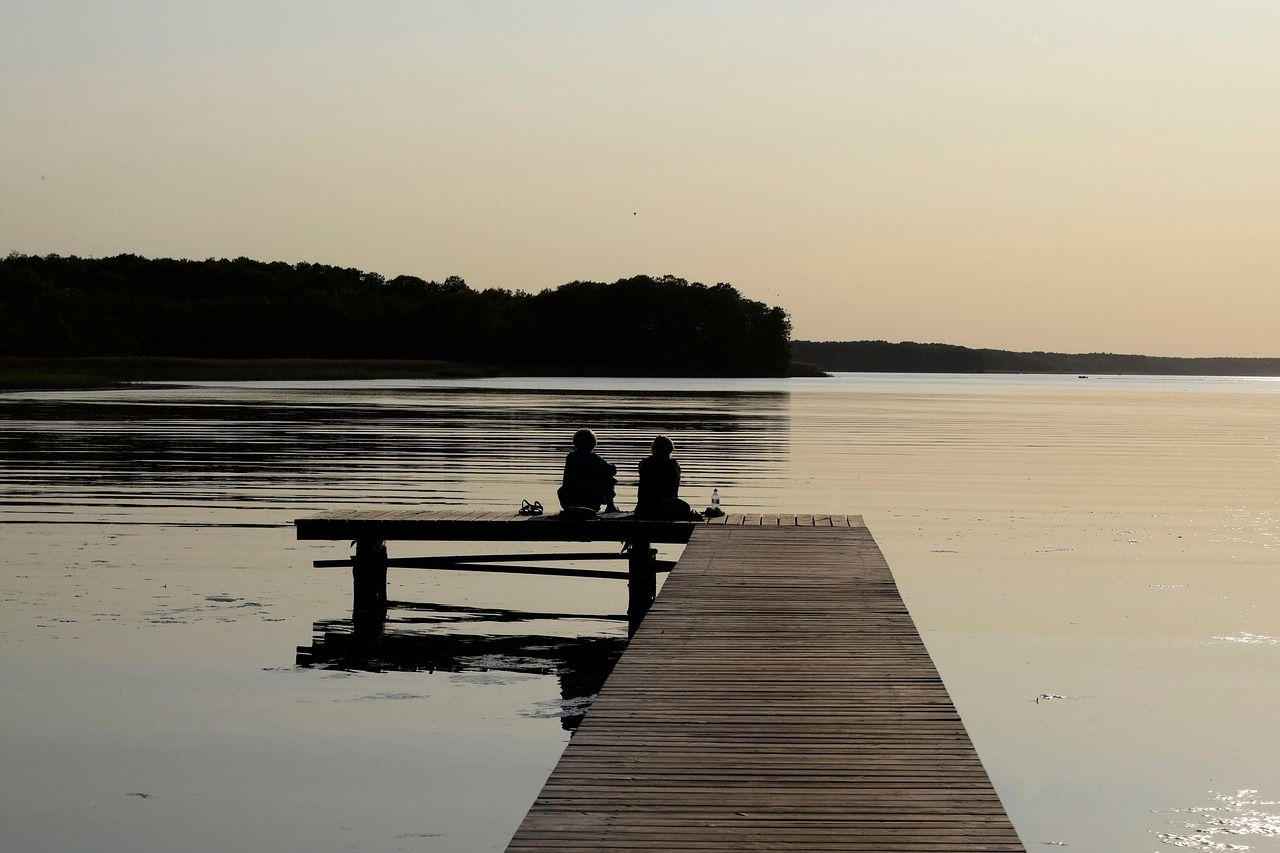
(1069, 176)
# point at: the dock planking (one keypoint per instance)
(491, 526)
(777, 696)
(484, 526)
(370, 530)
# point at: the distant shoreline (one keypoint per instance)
(911, 357)
(105, 372)
(811, 359)
(256, 313)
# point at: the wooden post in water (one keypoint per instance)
(369, 575)
(642, 583)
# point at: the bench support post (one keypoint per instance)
(369, 575)
(642, 583)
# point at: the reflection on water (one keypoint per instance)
(1247, 639)
(1242, 817)
(241, 450)
(450, 638)
(1111, 540)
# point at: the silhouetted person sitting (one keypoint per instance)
(588, 479)
(659, 493)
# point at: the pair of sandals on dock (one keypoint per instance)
(672, 509)
(578, 513)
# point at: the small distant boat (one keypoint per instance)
(1082, 376)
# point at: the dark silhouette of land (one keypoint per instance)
(71, 322)
(909, 357)
(129, 307)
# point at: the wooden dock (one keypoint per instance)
(488, 526)
(776, 697)
(371, 530)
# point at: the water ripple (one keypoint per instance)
(1241, 814)
(1244, 638)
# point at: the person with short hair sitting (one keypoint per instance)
(658, 495)
(588, 480)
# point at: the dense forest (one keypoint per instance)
(129, 306)
(244, 312)
(881, 356)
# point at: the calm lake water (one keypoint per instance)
(1090, 561)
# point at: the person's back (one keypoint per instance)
(588, 480)
(658, 495)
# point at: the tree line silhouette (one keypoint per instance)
(130, 306)
(911, 357)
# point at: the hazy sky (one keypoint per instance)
(1072, 176)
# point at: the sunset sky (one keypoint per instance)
(1071, 176)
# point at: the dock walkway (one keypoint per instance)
(776, 697)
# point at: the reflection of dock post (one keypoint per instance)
(369, 575)
(642, 583)
(368, 629)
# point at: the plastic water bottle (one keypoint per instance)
(715, 498)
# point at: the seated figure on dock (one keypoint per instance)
(588, 480)
(658, 495)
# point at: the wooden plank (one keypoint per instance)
(485, 526)
(776, 697)
(460, 515)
